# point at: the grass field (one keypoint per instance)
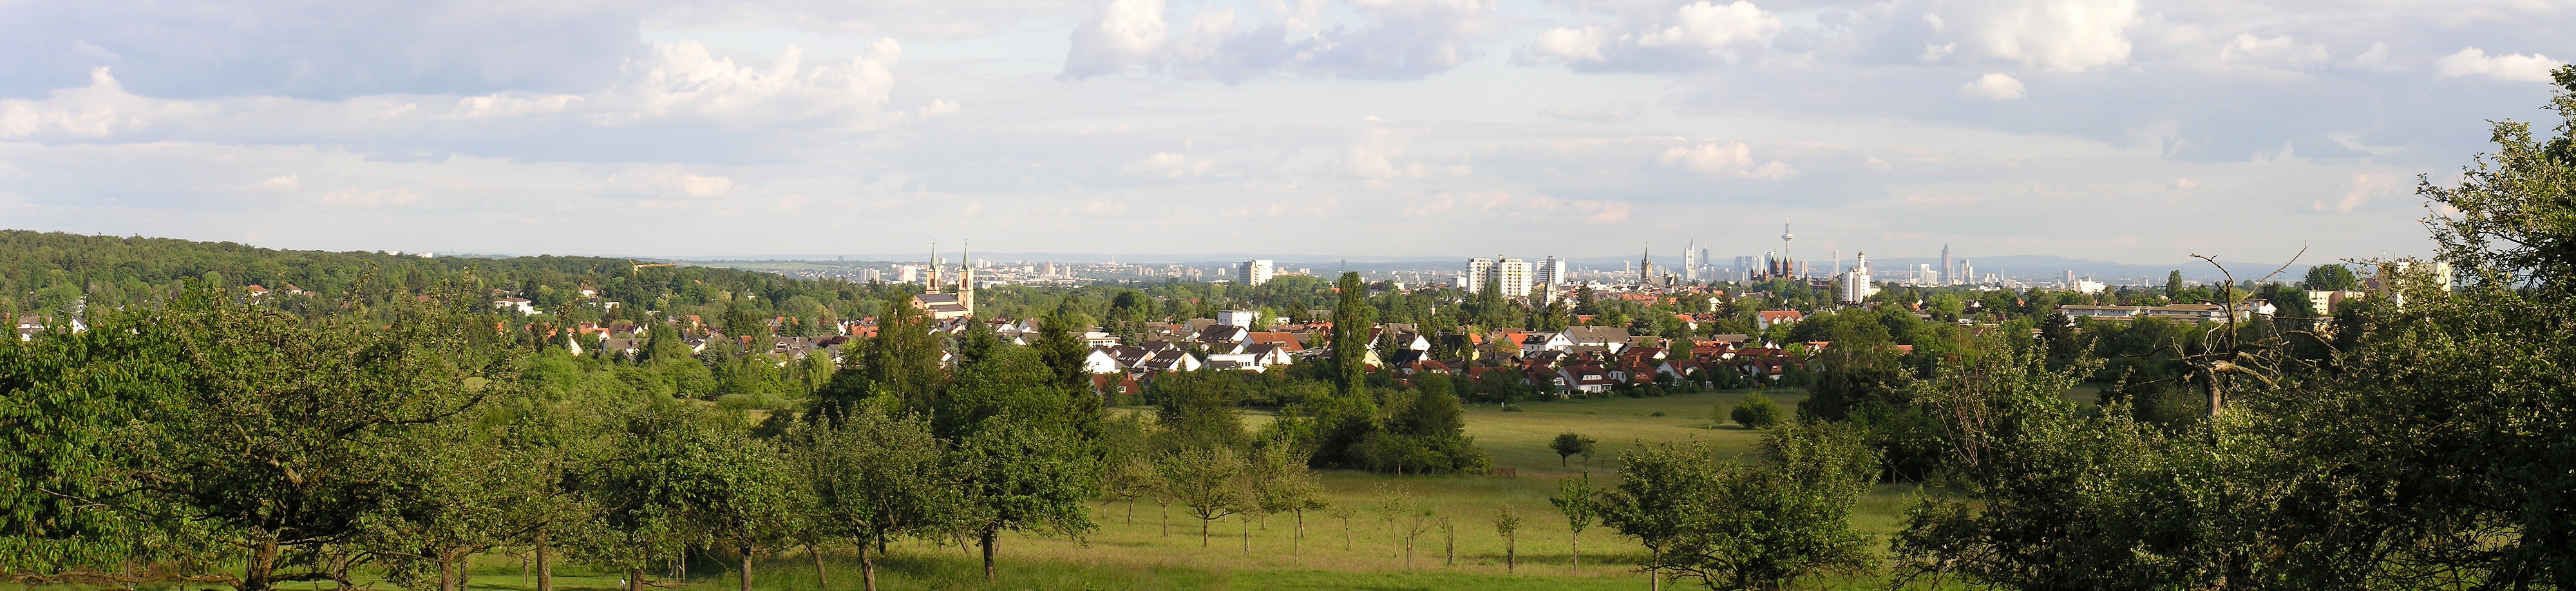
(1157, 549)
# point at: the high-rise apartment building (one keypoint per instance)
(1512, 276)
(1550, 272)
(1255, 272)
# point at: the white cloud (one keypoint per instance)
(1690, 36)
(1724, 159)
(1994, 87)
(2513, 67)
(2359, 192)
(2061, 35)
(1568, 44)
(2375, 58)
(1168, 164)
(665, 182)
(2181, 184)
(1128, 32)
(1700, 24)
(2281, 51)
(1385, 40)
(683, 81)
(283, 182)
(101, 110)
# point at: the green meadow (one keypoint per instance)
(1147, 546)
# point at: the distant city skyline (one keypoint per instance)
(2101, 129)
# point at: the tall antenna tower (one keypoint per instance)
(1785, 237)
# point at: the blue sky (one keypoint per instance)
(2105, 129)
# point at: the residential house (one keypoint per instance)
(1766, 319)
(1609, 338)
(1545, 341)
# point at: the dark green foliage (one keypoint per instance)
(1352, 320)
(220, 422)
(1570, 444)
(2330, 277)
(1740, 526)
(1756, 412)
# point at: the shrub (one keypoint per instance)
(1756, 412)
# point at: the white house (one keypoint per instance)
(520, 305)
(1538, 342)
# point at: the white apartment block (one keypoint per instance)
(1256, 272)
(1551, 272)
(1512, 275)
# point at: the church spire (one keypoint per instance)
(1646, 266)
(934, 268)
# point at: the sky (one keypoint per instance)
(2114, 130)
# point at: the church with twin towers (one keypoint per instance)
(942, 303)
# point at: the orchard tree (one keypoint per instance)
(1021, 475)
(1576, 499)
(1570, 444)
(214, 423)
(1208, 481)
(875, 478)
(1507, 525)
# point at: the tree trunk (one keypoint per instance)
(989, 575)
(260, 566)
(1297, 540)
(465, 570)
(1203, 532)
(1131, 510)
(821, 579)
(1654, 575)
(446, 572)
(1511, 556)
(1247, 533)
(1346, 534)
(867, 566)
(545, 564)
(745, 579)
(1576, 541)
(635, 579)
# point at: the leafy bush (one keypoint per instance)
(1756, 411)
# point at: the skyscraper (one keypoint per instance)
(1477, 270)
(1690, 261)
(1947, 278)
